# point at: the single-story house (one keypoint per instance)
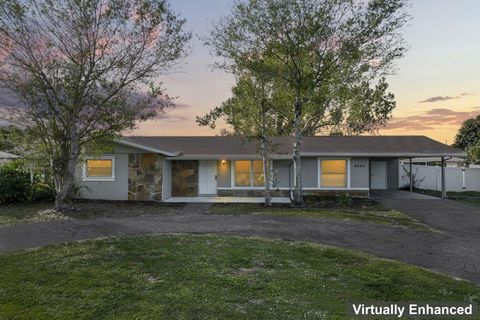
(6, 157)
(160, 168)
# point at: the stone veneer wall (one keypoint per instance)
(145, 176)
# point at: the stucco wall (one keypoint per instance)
(392, 173)
(106, 190)
(224, 174)
(359, 173)
(281, 174)
(309, 172)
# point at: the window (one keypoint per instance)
(242, 173)
(99, 169)
(333, 174)
(258, 178)
(248, 173)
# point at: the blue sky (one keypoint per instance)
(442, 68)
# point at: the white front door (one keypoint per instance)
(207, 177)
(378, 175)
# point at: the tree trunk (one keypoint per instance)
(298, 190)
(66, 182)
(266, 171)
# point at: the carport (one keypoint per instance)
(443, 159)
(385, 159)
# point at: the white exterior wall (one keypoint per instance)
(432, 178)
(167, 180)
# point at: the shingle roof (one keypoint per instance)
(6, 155)
(398, 146)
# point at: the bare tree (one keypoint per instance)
(84, 71)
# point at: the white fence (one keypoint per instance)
(457, 179)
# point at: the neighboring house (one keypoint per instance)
(6, 157)
(169, 168)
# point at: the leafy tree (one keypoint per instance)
(330, 55)
(473, 153)
(468, 135)
(7, 138)
(83, 71)
(249, 113)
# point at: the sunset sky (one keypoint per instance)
(437, 85)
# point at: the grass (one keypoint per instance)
(358, 209)
(208, 277)
(467, 197)
(34, 212)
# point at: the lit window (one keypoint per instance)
(242, 173)
(333, 173)
(249, 173)
(99, 169)
(258, 178)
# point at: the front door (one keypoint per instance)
(207, 177)
(378, 175)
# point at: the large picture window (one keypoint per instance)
(242, 173)
(258, 178)
(333, 174)
(99, 169)
(249, 173)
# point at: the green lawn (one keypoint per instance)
(208, 277)
(369, 211)
(34, 212)
(468, 197)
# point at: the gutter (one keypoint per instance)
(311, 154)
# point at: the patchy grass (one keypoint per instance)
(467, 197)
(361, 210)
(28, 212)
(34, 212)
(208, 277)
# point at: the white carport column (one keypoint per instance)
(444, 184)
(411, 174)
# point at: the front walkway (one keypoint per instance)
(227, 199)
(450, 251)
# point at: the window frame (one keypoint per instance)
(347, 173)
(234, 175)
(85, 177)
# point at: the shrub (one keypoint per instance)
(344, 199)
(43, 192)
(15, 184)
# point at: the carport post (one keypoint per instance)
(444, 189)
(410, 174)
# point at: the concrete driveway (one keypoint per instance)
(455, 250)
(443, 214)
(398, 195)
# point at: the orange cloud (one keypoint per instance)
(430, 119)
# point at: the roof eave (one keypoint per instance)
(145, 148)
(312, 154)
